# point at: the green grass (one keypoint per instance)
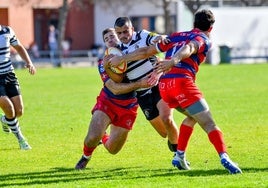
(57, 111)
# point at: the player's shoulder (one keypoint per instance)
(146, 33)
(146, 36)
(200, 37)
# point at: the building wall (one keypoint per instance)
(243, 30)
(81, 27)
(21, 17)
(84, 27)
(241, 26)
(105, 16)
(4, 16)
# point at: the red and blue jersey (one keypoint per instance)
(105, 77)
(121, 109)
(187, 67)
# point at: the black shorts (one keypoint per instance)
(9, 85)
(148, 100)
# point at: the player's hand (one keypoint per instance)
(106, 60)
(164, 66)
(154, 78)
(161, 39)
(144, 82)
(115, 61)
(31, 68)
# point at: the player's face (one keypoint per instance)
(124, 33)
(110, 39)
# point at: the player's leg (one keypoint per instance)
(9, 112)
(186, 130)
(200, 112)
(158, 124)
(205, 120)
(121, 124)
(148, 103)
(183, 92)
(116, 140)
(18, 105)
(166, 115)
(13, 107)
(6, 106)
(15, 128)
(97, 127)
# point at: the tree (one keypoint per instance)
(62, 23)
(165, 5)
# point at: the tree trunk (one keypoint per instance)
(62, 24)
(168, 28)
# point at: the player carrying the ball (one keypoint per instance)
(116, 107)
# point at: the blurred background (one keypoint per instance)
(239, 34)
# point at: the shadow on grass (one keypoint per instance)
(64, 175)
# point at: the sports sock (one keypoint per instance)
(14, 126)
(88, 151)
(216, 138)
(105, 138)
(184, 136)
(172, 147)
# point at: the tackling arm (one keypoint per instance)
(122, 88)
(140, 53)
(184, 52)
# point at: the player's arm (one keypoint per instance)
(25, 56)
(140, 53)
(161, 39)
(184, 52)
(122, 88)
(114, 76)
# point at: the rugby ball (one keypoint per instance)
(121, 68)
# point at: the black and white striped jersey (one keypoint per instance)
(140, 68)
(7, 38)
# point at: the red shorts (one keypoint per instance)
(122, 113)
(179, 92)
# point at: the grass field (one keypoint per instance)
(57, 112)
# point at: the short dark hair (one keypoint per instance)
(105, 31)
(203, 19)
(121, 21)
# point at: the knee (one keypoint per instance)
(92, 140)
(209, 127)
(112, 147)
(189, 121)
(113, 151)
(167, 119)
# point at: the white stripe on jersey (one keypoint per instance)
(7, 38)
(139, 69)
